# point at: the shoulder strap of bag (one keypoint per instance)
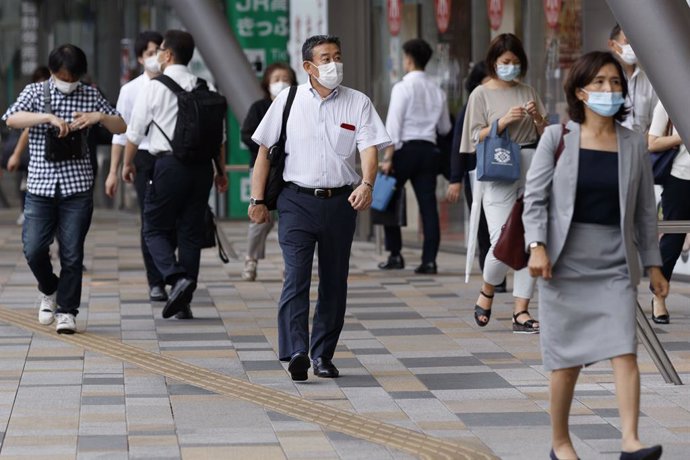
(170, 83)
(561, 143)
(286, 114)
(46, 97)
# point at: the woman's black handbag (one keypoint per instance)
(662, 162)
(276, 158)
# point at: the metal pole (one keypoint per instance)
(658, 32)
(222, 53)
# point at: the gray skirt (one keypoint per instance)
(587, 309)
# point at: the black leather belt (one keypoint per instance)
(166, 153)
(320, 192)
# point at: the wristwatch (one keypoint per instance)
(253, 201)
(535, 244)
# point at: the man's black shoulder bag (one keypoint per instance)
(276, 157)
(200, 118)
(73, 146)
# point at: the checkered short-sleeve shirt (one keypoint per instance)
(74, 176)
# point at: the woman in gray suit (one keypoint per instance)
(589, 218)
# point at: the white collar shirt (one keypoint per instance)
(641, 101)
(129, 93)
(323, 135)
(157, 103)
(418, 110)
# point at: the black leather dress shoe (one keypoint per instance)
(157, 294)
(180, 296)
(393, 263)
(648, 453)
(298, 367)
(324, 367)
(185, 313)
(428, 268)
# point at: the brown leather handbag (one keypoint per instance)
(510, 247)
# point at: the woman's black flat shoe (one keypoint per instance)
(661, 319)
(552, 456)
(648, 453)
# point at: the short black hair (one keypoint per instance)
(40, 73)
(615, 32)
(502, 44)
(143, 40)
(314, 41)
(180, 44)
(583, 71)
(267, 76)
(68, 57)
(419, 51)
(477, 74)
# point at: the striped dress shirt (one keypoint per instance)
(323, 135)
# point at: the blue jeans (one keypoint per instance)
(68, 218)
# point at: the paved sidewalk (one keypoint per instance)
(410, 356)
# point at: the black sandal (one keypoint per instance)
(479, 311)
(661, 319)
(527, 327)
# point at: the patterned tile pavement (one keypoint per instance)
(410, 357)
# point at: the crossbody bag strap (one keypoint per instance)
(46, 97)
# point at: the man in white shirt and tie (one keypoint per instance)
(145, 47)
(417, 112)
(177, 195)
(327, 124)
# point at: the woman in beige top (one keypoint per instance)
(517, 107)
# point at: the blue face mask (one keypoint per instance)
(508, 72)
(603, 103)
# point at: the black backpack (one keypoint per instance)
(200, 119)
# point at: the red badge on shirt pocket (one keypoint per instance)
(347, 126)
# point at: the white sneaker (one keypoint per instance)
(20, 219)
(65, 323)
(46, 310)
(249, 272)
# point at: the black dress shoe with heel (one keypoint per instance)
(661, 319)
(180, 296)
(393, 263)
(324, 367)
(428, 268)
(648, 453)
(157, 293)
(185, 313)
(298, 367)
(552, 456)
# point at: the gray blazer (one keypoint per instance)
(550, 196)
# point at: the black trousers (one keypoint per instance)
(417, 161)
(144, 163)
(308, 222)
(675, 203)
(174, 208)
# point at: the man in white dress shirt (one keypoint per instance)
(177, 193)
(145, 47)
(642, 98)
(418, 111)
(327, 124)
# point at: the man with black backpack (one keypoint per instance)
(185, 124)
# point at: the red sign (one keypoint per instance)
(442, 15)
(552, 10)
(394, 16)
(495, 13)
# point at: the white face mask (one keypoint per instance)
(276, 87)
(152, 65)
(627, 54)
(65, 87)
(330, 75)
